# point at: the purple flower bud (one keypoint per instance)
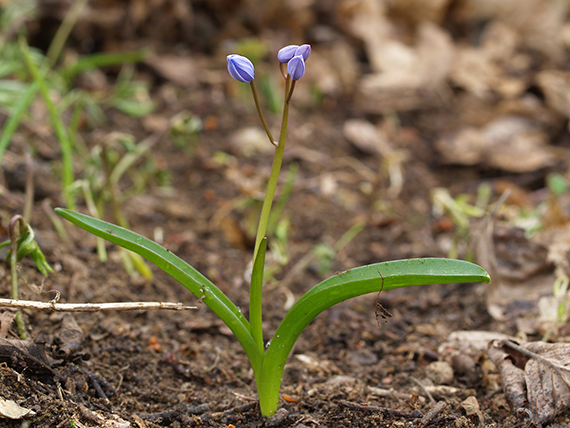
(287, 53)
(296, 67)
(240, 68)
(304, 51)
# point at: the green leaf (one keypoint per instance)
(177, 268)
(348, 284)
(99, 60)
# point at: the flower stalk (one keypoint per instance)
(261, 116)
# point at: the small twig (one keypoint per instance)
(430, 416)
(244, 397)
(214, 364)
(429, 396)
(91, 307)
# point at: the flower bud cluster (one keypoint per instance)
(242, 69)
(294, 56)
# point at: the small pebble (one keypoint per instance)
(440, 372)
(340, 380)
(465, 366)
(364, 357)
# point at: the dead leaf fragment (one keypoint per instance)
(12, 410)
(519, 267)
(539, 368)
(24, 353)
(487, 69)
(512, 377)
(69, 339)
(539, 22)
(471, 343)
(180, 70)
(6, 319)
(367, 137)
(471, 407)
(250, 141)
(556, 87)
(495, 143)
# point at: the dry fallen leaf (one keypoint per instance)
(12, 410)
(180, 70)
(6, 319)
(539, 22)
(367, 137)
(535, 374)
(495, 143)
(519, 266)
(490, 68)
(556, 87)
(471, 407)
(403, 74)
(512, 377)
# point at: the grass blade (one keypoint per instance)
(57, 122)
(16, 117)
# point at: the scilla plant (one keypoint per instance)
(268, 360)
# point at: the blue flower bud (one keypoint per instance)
(287, 53)
(240, 68)
(296, 67)
(304, 51)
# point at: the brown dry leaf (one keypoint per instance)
(367, 137)
(402, 72)
(520, 268)
(487, 69)
(334, 68)
(495, 143)
(512, 377)
(398, 66)
(233, 233)
(539, 368)
(24, 353)
(180, 70)
(472, 343)
(539, 22)
(250, 141)
(6, 319)
(420, 10)
(555, 84)
(69, 339)
(471, 407)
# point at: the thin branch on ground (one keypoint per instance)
(91, 307)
